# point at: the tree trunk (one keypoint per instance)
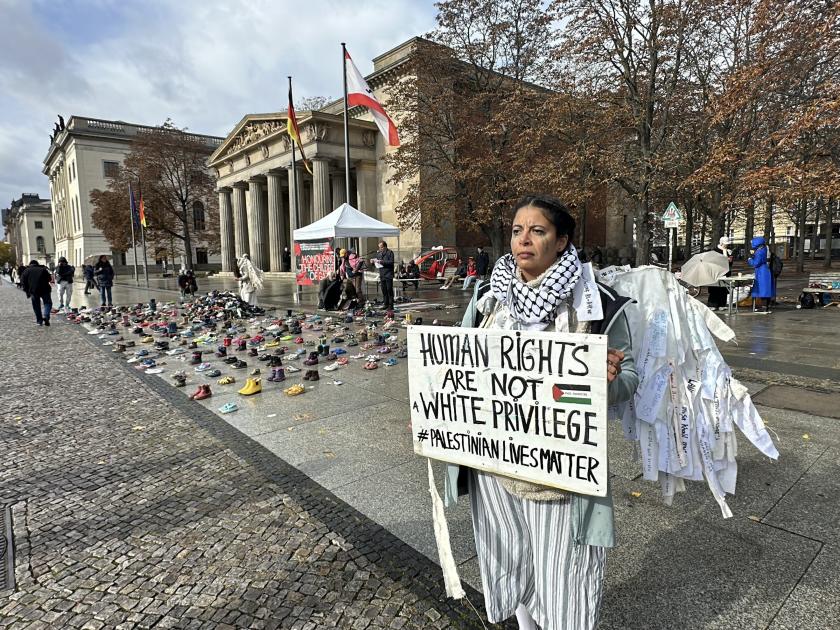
(641, 224)
(703, 226)
(749, 228)
(800, 243)
(815, 235)
(496, 233)
(829, 225)
(689, 227)
(188, 261)
(768, 220)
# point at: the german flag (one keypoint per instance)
(294, 130)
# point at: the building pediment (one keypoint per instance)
(251, 133)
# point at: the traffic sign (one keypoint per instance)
(672, 223)
(672, 213)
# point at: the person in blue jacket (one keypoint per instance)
(763, 288)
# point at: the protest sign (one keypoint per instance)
(316, 260)
(528, 405)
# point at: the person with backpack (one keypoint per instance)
(64, 274)
(763, 288)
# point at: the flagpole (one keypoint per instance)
(346, 126)
(133, 211)
(145, 261)
(294, 183)
(143, 235)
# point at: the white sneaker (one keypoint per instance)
(291, 368)
(331, 368)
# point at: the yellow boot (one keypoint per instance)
(252, 386)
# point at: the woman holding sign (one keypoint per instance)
(542, 551)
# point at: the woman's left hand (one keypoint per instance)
(614, 358)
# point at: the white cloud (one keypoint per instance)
(203, 63)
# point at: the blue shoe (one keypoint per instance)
(391, 361)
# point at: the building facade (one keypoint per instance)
(255, 176)
(29, 229)
(83, 154)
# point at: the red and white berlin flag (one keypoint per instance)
(358, 93)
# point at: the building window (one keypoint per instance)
(39, 225)
(122, 258)
(200, 255)
(198, 216)
(110, 169)
(40, 245)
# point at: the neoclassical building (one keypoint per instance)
(29, 229)
(255, 171)
(83, 154)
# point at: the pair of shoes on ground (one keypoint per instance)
(278, 375)
(294, 390)
(252, 386)
(201, 393)
(311, 375)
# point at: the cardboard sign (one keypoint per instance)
(316, 260)
(528, 405)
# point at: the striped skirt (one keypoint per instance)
(526, 555)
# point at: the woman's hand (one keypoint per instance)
(614, 358)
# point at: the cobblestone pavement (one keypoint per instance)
(134, 509)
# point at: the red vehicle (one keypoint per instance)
(436, 262)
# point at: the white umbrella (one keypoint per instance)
(705, 269)
(94, 258)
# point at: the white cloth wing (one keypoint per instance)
(688, 403)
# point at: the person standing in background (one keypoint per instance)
(64, 274)
(384, 261)
(103, 274)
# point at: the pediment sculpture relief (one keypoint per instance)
(253, 132)
(369, 138)
(316, 131)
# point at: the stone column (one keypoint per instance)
(240, 221)
(339, 188)
(278, 227)
(257, 224)
(366, 194)
(293, 222)
(320, 188)
(226, 229)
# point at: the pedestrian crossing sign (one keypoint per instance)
(672, 213)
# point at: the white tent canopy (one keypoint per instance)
(345, 222)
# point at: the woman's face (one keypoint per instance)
(534, 242)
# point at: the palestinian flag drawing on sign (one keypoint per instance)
(572, 394)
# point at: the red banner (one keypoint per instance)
(316, 260)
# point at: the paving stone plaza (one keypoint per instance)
(134, 507)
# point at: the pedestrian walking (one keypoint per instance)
(20, 269)
(542, 551)
(286, 259)
(36, 281)
(482, 263)
(250, 279)
(64, 274)
(384, 262)
(103, 274)
(87, 272)
(763, 289)
(187, 284)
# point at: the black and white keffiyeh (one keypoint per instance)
(535, 305)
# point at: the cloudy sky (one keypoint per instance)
(203, 63)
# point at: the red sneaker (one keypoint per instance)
(204, 393)
(195, 394)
